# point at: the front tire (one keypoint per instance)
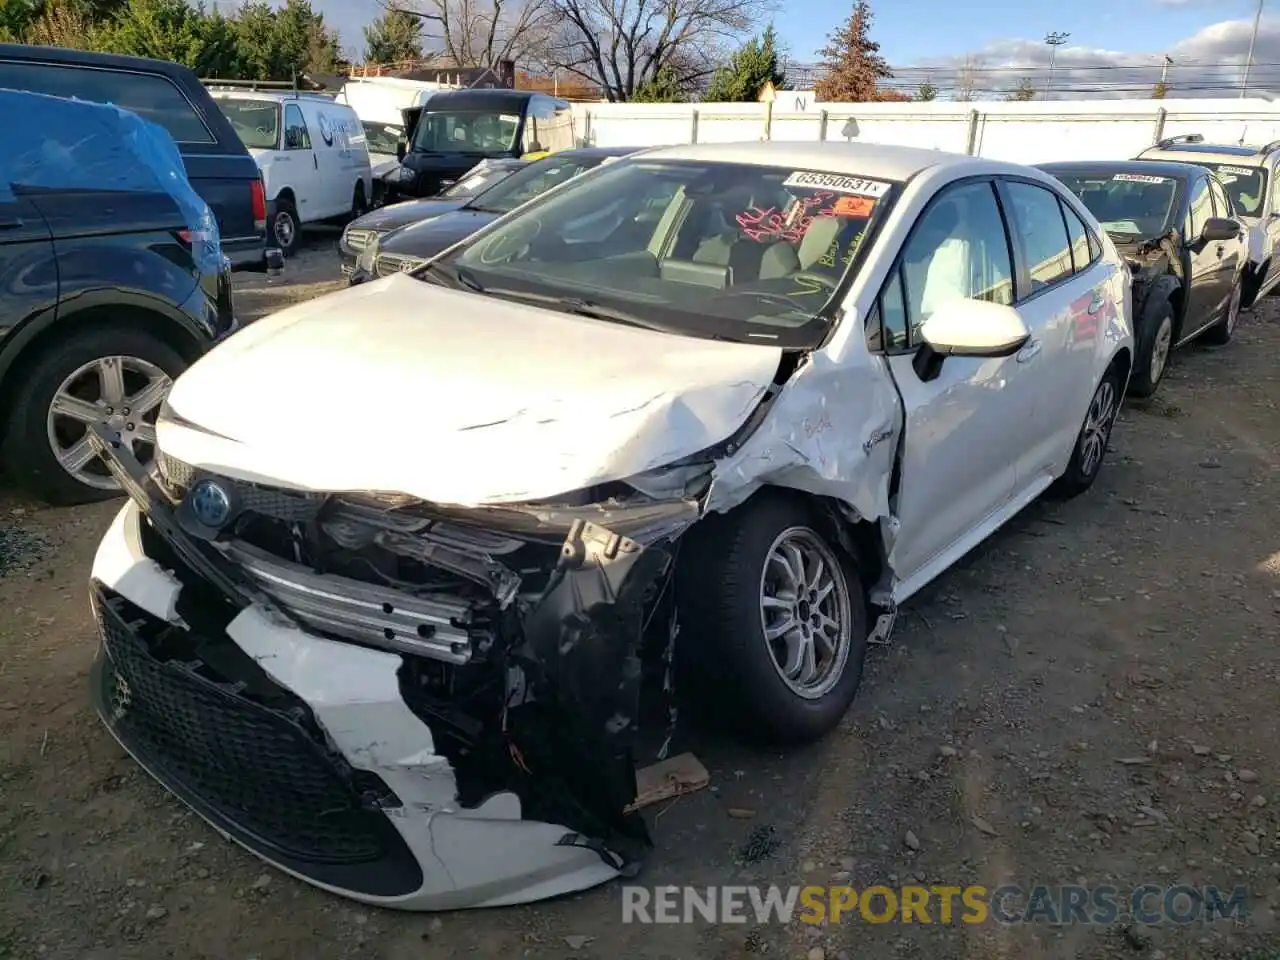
(359, 205)
(286, 229)
(774, 620)
(115, 376)
(1153, 354)
(1221, 332)
(1093, 439)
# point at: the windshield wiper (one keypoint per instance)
(458, 276)
(578, 306)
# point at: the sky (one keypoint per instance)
(1122, 47)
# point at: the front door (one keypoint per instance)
(1204, 263)
(967, 428)
(301, 166)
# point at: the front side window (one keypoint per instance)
(296, 136)
(1201, 209)
(733, 251)
(149, 95)
(957, 250)
(1082, 254)
(1127, 205)
(1246, 186)
(466, 131)
(256, 122)
(1037, 222)
(1221, 205)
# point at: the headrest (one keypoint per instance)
(817, 240)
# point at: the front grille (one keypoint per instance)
(390, 263)
(257, 767)
(291, 506)
(357, 240)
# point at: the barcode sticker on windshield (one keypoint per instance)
(1238, 171)
(857, 186)
(1139, 178)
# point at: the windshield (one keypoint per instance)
(730, 251)
(1127, 204)
(1246, 186)
(466, 131)
(256, 122)
(480, 178)
(383, 137)
(534, 180)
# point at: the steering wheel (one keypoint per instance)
(510, 244)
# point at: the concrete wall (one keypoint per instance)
(1032, 132)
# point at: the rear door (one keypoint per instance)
(1064, 292)
(218, 165)
(1232, 253)
(28, 271)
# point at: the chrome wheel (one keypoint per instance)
(1097, 428)
(806, 612)
(1160, 348)
(285, 229)
(121, 393)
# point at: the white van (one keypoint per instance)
(379, 102)
(311, 151)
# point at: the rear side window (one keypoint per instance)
(151, 96)
(1038, 224)
(1082, 252)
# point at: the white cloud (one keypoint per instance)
(1209, 63)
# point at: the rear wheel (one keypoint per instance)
(112, 376)
(1153, 354)
(1093, 439)
(774, 620)
(359, 205)
(1220, 333)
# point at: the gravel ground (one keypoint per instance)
(1090, 697)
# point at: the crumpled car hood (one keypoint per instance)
(429, 237)
(452, 397)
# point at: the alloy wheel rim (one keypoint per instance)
(1160, 349)
(122, 394)
(284, 229)
(805, 612)
(1097, 428)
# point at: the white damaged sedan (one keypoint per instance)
(384, 608)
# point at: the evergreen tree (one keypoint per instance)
(664, 87)
(853, 64)
(394, 36)
(927, 91)
(748, 71)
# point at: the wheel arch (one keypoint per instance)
(42, 333)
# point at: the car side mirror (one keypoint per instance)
(401, 149)
(1217, 229)
(969, 328)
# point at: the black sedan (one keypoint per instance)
(407, 247)
(1175, 226)
(380, 222)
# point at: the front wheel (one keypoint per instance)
(1153, 354)
(774, 620)
(1221, 332)
(285, 228)
(1093, 439)
(359, 205)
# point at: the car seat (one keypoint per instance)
(783, 259)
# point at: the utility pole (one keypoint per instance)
(1164, 70)
(1248, 60)
(1054, 39)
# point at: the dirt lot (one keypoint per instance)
(1090, 698)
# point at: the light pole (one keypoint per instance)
(1248, 60)
(1054, 39)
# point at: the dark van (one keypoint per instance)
(456, 129)
(218, 165)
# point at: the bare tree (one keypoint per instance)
(618, 45)
(967, 78)
(483, 33)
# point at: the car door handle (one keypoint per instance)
(316, 160)
(1029, 351)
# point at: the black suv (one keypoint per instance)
(218, 164)
(1177, 229)
(111, 284)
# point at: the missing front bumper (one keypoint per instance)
(539, 799)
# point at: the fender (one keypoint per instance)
(1154, 296)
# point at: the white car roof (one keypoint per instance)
(854, 159)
